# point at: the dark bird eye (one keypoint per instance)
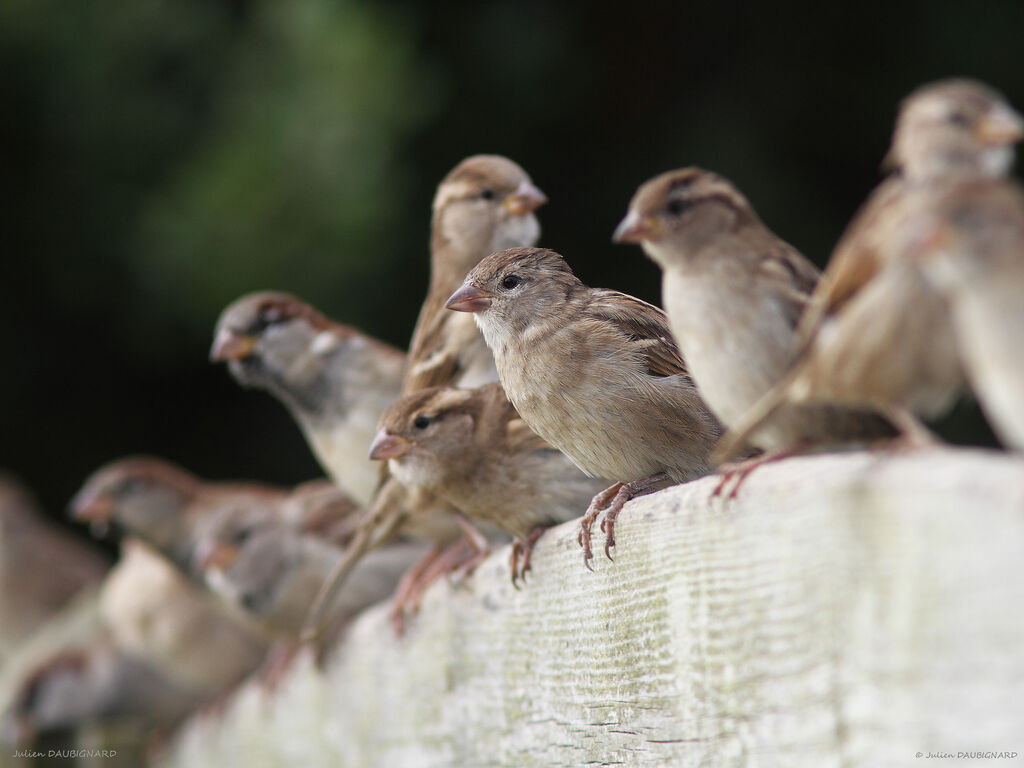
(132, 485)
(511, 282)
(267, 317)
(242, 535)
(677, 206)
(960, 119)
(421, 422)
(487, 194)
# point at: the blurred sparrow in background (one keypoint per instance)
(734, 294)
(877, 333)
(334, 379)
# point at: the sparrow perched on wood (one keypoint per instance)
(156, 647)
(41, 566)
(470, 447)
(734, 293)
(88, 684)
(876, 332)
(975, 255)
(161, 503)
(485, 204)
(270, 571)
(154, 612)
(334, 379)
(592, 371)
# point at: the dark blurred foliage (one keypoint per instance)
(162, 158)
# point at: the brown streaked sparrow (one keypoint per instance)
(270, 572)
(485, 204)
(471, 448)
(876, 332)
(734, 293)
(333, 379)
(592, 371)
(162, 504)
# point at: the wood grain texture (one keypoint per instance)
(846, 610)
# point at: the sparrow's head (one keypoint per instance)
(146, 496)
(485, 204)
(58, 693)
(271, 339)
(320, 507)
(955, 126)
(677, 212)
(428, 436)
(222, 535)
(512, 290)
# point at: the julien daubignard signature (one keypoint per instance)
(70, 753)
(991, 755)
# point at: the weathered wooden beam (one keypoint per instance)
(848, 610)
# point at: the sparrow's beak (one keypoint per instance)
(214, 556)
(999, 126)
(636, 228)
(230, 345)
(90, 507)
(469, 298)
(388, 446)
(525, 199)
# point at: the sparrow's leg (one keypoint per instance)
(736, 472)
(627, 492)
(597, 505)
(526, 549)
(407, 585)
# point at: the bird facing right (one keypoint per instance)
(592, 371)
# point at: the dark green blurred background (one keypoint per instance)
(162, 158)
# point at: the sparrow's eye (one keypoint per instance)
(960, 119)
(132, 485)
(421, 422)
(487, 194)
(511, 282)
(242, 535)
(676, 206)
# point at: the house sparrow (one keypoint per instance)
(734, 294)
(154, 612)
(472, 449)
(483, 205)
(876, 332)
(334, 379)
(161, 503)
(94, 682)
(41, 566)
(592, 371)
(270, 572)
(976, 258)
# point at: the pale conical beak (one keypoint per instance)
(526, 199)
(469, 298)
(635, 229)
(231, 345)
(388, 446)
(214, 556)
(1000, 126)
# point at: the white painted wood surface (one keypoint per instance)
(849, 610)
